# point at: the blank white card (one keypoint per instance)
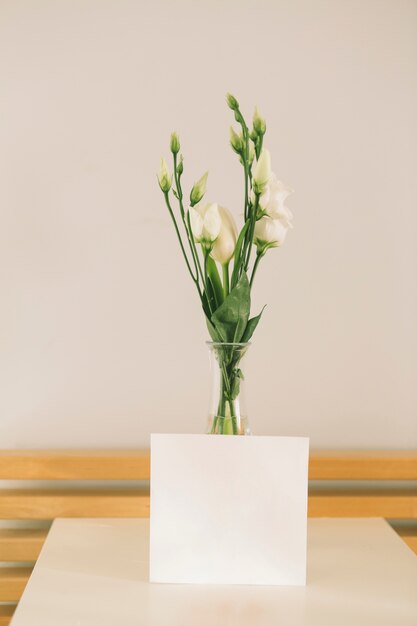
(228, 509)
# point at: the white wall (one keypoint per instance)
(102, 339)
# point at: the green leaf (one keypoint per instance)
(208, 295)
(214, 278)
(231, 318)
(205, 305)
(250, 327)
(213, 333)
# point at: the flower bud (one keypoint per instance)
(175, 143)
(198, 190)
(262, 171)
(180, 166)
(236, 141)
(232, 102)
(259, 124)
(164, 177)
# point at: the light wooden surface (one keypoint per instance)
(74, 464)
(96, 571)
(17, 544)
(388, 503)
(12, 582)
(409, 535)
(363, 465)
(134, 465)
(46, 504)
(6, 612)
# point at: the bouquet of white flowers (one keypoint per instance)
(210, 241)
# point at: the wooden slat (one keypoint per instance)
(13, 582)
(46, 504)
(21, 544)
(135, 465)
(363, 465)
(409, 535)
(6, 613)
(74, 464)
(389, 503)
(51, 503)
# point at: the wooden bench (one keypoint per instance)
(342, 484)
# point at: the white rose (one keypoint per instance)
(269, 233)
(224, 246)
(205, 223)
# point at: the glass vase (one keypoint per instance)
(227, 413)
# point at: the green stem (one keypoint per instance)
(251, 231)
(225, 268)
(233, 418)
(187, 224)
(239, 254)
(213, 428)
(193, 246)
(255, 267)
(219, 418)
(245, 157)
(189, 231)
(259, 146)
(209, 290)
(178, 186)
(245, 168)
(248, 184)
(195, 279)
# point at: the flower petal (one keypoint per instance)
(196, 224)
(212, 222)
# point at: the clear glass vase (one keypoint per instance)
(227, 414)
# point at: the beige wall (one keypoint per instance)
(102, 339)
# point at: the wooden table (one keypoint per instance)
(95, 573)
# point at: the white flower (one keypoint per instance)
(262, 171)
(205, 223)
(164, 176)
(224, 246)
(272, 200)
(269, 233)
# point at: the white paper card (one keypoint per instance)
(228, 509)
